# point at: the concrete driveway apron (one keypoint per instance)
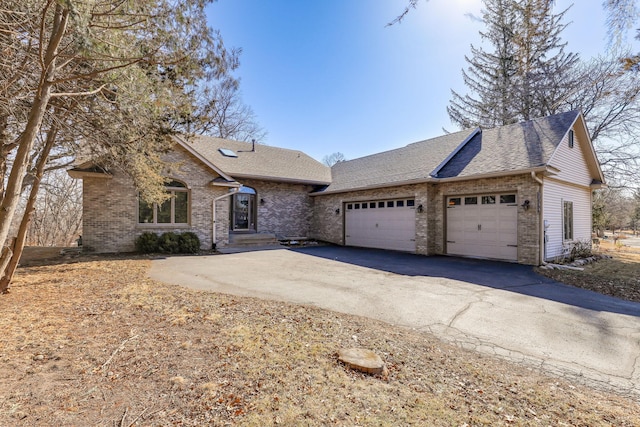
(492, 307)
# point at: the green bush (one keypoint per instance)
(169, 243)
(189, 243)
(147, 243)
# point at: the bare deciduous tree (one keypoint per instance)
(112, 72)
(333, 158)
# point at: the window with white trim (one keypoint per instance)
(174, 210)
(567, 220)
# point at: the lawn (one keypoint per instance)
(95, 342)
(618, 276)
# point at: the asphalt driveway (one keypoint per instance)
(491, 307)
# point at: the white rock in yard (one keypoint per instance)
(362, 360)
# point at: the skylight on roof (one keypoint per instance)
(227, 153)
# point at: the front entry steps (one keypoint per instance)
(241, 242)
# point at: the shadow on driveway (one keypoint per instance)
(494, 274)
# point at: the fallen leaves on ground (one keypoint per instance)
(97, 343)
(617, 276)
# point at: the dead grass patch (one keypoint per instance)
(618, 277)
(98, 343)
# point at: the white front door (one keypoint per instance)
(483, 225)
(384, 224)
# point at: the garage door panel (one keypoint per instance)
(482, 226)
(384, 228)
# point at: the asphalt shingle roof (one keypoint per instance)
(411, 163)
(514, 147)
(266, 162)
(508, 148)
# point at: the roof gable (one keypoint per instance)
(520, 146)
(412, 163)
(585, 171)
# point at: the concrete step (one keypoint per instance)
(253, 239)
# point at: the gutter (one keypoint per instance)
(231, 192)
(279, 179)
(543, 244)
(541, 169)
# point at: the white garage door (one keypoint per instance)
(383, 224)
(483, 226)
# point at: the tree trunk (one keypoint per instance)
(9, 268)
(34, 123)
(4, 260)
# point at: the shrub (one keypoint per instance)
(147, 243)
(169, 243)
(581, 249)
(189, 243)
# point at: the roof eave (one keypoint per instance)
(233, 184)
(498, 174)
(80, 174)
(376, 186)
(280, 179)
(594, 156)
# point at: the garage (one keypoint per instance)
(382, 224)
(484, 226)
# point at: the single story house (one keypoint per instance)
(519, 193)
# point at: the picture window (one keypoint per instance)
(174, 210)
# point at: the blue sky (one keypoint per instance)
(327, 76)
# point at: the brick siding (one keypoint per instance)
(110, 222)
(110, 219)
(329, 226)
(528, 220)
(284, 209)
(431, 223)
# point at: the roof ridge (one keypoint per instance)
(406, 146)
(536, 119)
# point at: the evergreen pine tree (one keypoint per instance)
(524, 74)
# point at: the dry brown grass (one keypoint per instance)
(98, 343)
(618, 276)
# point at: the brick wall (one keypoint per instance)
(110, 221)
(528, 220)
(431, 223)
(329, 226)
(283, 209)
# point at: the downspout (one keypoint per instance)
(213, 213)
(543, 244)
